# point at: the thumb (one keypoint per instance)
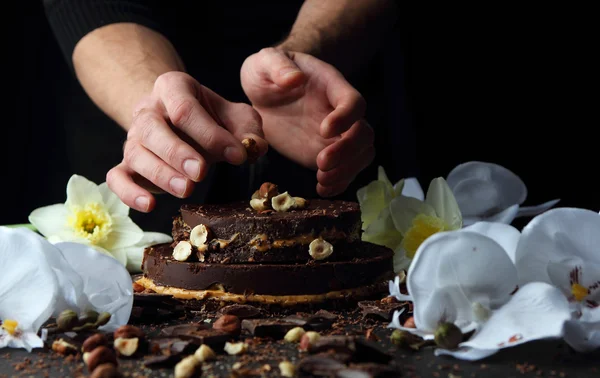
(278, 67)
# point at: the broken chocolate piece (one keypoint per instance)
(241, 311)
(360, 349)
(319, 366)
(380, 310)
(369, 370)
(202, 333)
(274, 328)
(161, 361)
(319, 321)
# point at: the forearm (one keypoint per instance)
(344, 33)
(117, 65)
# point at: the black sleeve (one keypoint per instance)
(71, 20)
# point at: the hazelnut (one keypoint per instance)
(300, 203)
(410, 323)
(294, 334)
(320, 249)
(182, 251)
(251, 149)
(200, 235)
(259, 204)
(126, 347)
(204, 353)
(308, 339)
(93, 342)
(287, 369)
(100, 355)
(128, 332)
(235, 348)
(187, 367)
(282, 202)
(60, 346)
(106, 371)
(268, 190)
(137, 288)
(256, 194)
(228, 323)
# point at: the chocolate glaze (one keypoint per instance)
(373, 264)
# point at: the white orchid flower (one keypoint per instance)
(561, 248)
(94, 215)
(460, 277)
(489, 192)
(416, 220)
(28, 289)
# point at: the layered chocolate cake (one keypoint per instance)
(275, 250)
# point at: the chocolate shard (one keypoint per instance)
(183, 329)
(161, 361)
(274, 328)
(380, 310)
(319, 366)
(369, 370)
(167, 351)
(361, 350)
(241, 311)
(201, 333)
(319, 321)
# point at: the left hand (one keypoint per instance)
(311, 115)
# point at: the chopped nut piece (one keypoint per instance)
(294, 334)
(128, 331)
(60, 346)
(251, 149)
(200, 235)
(137, 288)
(99, 356)
(287, 369)
(282, 202)
(93, 342)
(308, 339)
(205, 353)
(259, 204)
(235, 348)
(300, 203)
(182, 251)
(228, 323)
(268, 190)
(410, 323)
(187, 367)
(126, 347)
(320, 249)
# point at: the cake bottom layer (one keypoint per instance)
(316, 277)
(222, 297)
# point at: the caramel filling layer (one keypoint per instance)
(262, 242)
(283, 300)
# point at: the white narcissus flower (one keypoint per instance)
(416, 220)
(490, 192)
(94, 215)
(561, 248)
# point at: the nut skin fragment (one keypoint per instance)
(182, 251)
(205, 353)
(251, 150)
(106, 371)
(294, 335)
(268, 190)
(300, 203)
(126, 346)
(93, 342)
(100, 355)
(287, 369)
(235, 348)
(128, 331)
(187, 367)
(259, 204)
(320, 249)
(62, 347)
(282, 202)
(308, 339)
(228, 323)
(137, 288)
(200, 236)
(410, 323)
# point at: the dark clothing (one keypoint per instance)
(213, 39)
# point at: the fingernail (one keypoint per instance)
(289, 71)
(142, 203)
(178, 185)
(191, 167)
(233, 155)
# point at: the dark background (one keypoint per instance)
(505, 85)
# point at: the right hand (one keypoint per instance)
(177, 132)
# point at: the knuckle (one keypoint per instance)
(164, 80)
(359, 102)
(156, 173)
(182, 111)
(171, 152)
(131, 152)
(267, 50)
(208, 140)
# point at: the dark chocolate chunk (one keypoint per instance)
(202, 333)
(319, 366)
(380, 310)
(241, 311)
(161, 361)
(360, 349)
(274, 328)
(369, 370)
(184, 329)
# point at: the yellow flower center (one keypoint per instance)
(92, 222)
(579, 292)
(10, 326)
(423, 226)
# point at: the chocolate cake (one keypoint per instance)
(274, 250)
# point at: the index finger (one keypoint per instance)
(348, 107)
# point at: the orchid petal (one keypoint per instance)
(438, 309)
(405, 209)
(477, 197)
(81, 191)
(582, 336)
(468, 265)
(536, 311)
(27, 340)
(394, 289)
(124, 233)
(411, 188)
(505, 216)
(50, 220)
(112, 202)
(372, 198)
(441, 198)
(400, 260)
(106, 282)
(571, 270)
(505, 235)
(553, 236)
(382, 231)
(382, 177)
(135, 254)
(530, 211)
(28, 286)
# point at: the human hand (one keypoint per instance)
(311, 115)
(177, 131)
